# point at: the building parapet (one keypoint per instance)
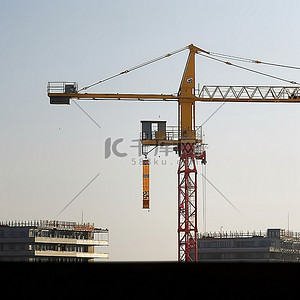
(51, 224)
(45, 240)
(271, 233)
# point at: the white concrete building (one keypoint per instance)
(51, 241)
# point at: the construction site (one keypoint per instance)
(273, 245)
(185, 138)
(147, 139)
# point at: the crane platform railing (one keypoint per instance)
(60, 87)
(249, 93)
(172, 134)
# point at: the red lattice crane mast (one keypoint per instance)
(186, 137)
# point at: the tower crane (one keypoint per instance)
(186, 137)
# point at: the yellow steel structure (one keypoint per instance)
(186, 136)
(186, 95)
(186, 99)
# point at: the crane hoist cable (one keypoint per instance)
(204, 194)
(134, 68)
(78, 194)
(87, 114)
(247, 69)
(213, 113)
(220, 193)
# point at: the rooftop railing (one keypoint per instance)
(284, 234)
(49, 224)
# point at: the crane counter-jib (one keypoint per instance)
(65, 98)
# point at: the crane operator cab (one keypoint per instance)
(153, 130)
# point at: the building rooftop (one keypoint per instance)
(270, 233)
(273, 245)
(52, 224)
(51, 241)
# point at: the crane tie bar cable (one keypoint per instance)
(249, 60)
(134, 68)
(220, 193)
(247, 69)
(212, 55)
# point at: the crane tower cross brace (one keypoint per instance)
(186, 138)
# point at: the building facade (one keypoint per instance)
(51, 241)
(275, 245)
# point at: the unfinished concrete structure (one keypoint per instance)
(275, 245)
(51, 241)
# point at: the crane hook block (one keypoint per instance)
(146, 186)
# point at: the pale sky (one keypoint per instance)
(49, 153)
